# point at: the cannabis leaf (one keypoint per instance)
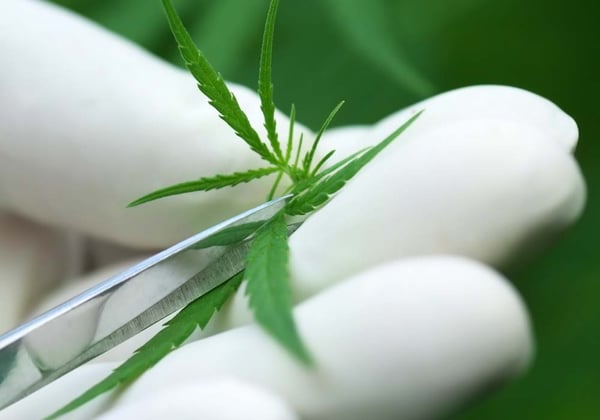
(266, 273)
(213, 86)
(308, 158)
(268, 285)
(206, 184)
(230, 235)
(196, 315)
(316, 195)
(265, 86)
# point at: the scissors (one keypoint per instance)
(74, 332)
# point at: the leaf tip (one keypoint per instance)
(139, 201)
(134, 203)
(305, 358)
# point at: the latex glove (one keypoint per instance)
(503, 152)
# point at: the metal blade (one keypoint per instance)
(58, 341)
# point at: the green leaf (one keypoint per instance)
(322, 162)
(213, 86)
(306, 183)
(205, 184)
(295, 165)
(265, 85)
(231, 235)
(195, 315)
(275, 186)
(290, 143)
(317, 195)
(268, 286)
(308, 158)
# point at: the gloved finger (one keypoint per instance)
(415, 338)
(216, 399)
(488, 184)
(33, 260)
(90, 122)
(55, 395)
(484, 102)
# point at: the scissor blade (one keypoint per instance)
(88, 325)
(225, 267)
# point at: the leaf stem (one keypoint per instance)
(274, 187)
(290, 143)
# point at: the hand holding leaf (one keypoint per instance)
(266, 272)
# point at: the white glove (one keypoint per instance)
(398, 328)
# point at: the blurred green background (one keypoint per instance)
(381, 55)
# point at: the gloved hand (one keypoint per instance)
(397, 295)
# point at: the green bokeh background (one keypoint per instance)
(381, 55)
